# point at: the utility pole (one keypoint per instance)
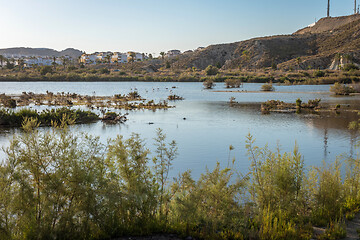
(354, 6)
(328, 9)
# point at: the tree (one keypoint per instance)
(2, 59)
(162, 55)
(209, 84)
(46, 69)
(132, 56)
(9, 65)
(211, 70)
(21, 64)
(167, 64)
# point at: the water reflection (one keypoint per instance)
(205, 125)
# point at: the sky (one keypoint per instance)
(153, 26)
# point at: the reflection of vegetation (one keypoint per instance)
(280, 106)
(118, 101)
(57, 184)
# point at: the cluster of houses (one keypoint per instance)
(33, 61)
(110, 57)
(94, 58)
(118, 57)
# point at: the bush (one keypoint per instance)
(233, 83)
(267, 87)
(319, 73)
(104, 71)
(350, 66)
(45, 70)
(211, 70)
(209, 84)
(341, 89)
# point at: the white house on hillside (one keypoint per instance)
(118, 57)
(173, 53)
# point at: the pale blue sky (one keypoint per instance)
(152, 26)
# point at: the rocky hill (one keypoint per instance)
(43, 52)
(311, 47)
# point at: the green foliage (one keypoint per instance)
(319, 73)
(209, 84)
(46, 117)
(274, 66)
(233, 83)
(326, 193)
(104, 71)
(9, 65)
(209, 207)
(268, 87)
(55, 184)
(341, 89)
(336, 230)
(167, 64)
(277, 179)
(45, 70)
(350, 67)
(273, 227)
(211, 70)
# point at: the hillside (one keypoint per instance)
(43, 52)
(314, 47)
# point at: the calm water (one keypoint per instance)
(211, 125)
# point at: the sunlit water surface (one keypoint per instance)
(204, 125)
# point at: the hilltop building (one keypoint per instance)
(173, 53)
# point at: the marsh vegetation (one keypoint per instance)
(57, 184)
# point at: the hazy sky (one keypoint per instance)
(152, 26)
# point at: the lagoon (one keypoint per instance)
(204, 125)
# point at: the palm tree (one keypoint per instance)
(2, 59)
(21, 63)
(64, 60)
(162, 55)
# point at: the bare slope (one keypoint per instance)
(329, 24)
(303, 49)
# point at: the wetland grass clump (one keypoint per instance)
(174, 97)
(46, 117)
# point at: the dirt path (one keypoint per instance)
(352, 227)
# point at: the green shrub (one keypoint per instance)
(350, 67)
(233, 83)
(341, 89)
(319, 73)
(211, 70)
(267, 87)
(104, 71)
(45, 70)
(209, 84)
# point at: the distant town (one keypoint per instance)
(85, 59)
